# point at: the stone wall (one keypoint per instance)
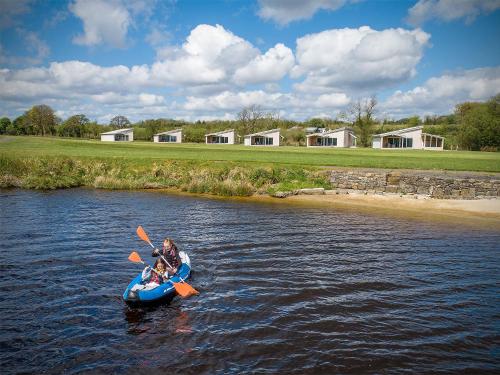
(443, 185)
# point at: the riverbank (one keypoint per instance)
(480, 208)
(484, 213)
(386, 190)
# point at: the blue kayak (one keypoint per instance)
(136, 296)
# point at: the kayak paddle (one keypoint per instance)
(182, 288)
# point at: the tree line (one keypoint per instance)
(473, 125)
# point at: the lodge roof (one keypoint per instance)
(170, 132)
(263, 132)
(118, 131)
(345, 128)
(400, 131)
(221, 132)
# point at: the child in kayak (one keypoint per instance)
(170, 253)
(158, 272)
(151, 278)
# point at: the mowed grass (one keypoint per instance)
(147, 152)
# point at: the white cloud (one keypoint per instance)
(357, 59)
(334, 100)
(142, 99)
(206, 62)
(213, 55)
(70, 77)
(235, 101)
(272, 66)
(104, 22)
(286, 11)
(209, 55)
(449, 10)
(441, 94)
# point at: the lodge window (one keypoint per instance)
(121, 137)
(322, 141)
(407, 142)
(218, 139)
(168, 138)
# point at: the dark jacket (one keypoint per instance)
(172, 256)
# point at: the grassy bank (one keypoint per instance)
(219, 178)
(51, 163)
(146, 153)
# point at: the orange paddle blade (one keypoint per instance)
(185, 290)
(142, 234)
(135, 257)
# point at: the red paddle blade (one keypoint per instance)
(135, 257)
(142, 234)
(185, 290)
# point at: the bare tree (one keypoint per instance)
(120, 122)
(249, 116)
(362, 114)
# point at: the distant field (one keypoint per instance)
(144, 152)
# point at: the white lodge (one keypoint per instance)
(265, 138)
(120, 135)
(223, 137)
(172, 136)
(409, 138)
(342, 137)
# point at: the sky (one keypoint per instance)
(204, 60)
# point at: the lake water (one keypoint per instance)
(284, 289)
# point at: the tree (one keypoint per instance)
(362, 115)
(479, 124)
(93, 130)
(316, 123)
(4, 123)
(119, 122)
(249, 116)
(75, 126)
(40, 120)
(18, 126)
(414, 121)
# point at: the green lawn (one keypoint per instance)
(144, 152)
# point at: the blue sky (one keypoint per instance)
(209, 59)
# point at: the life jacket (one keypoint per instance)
(172, 256)
(155, 278)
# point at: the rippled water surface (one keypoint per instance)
(283, 289)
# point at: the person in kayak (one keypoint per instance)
(152, 278)
(171, 254)
(158, 272)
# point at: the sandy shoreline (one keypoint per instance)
(482, 212)
(478, 212)
(488, 207)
